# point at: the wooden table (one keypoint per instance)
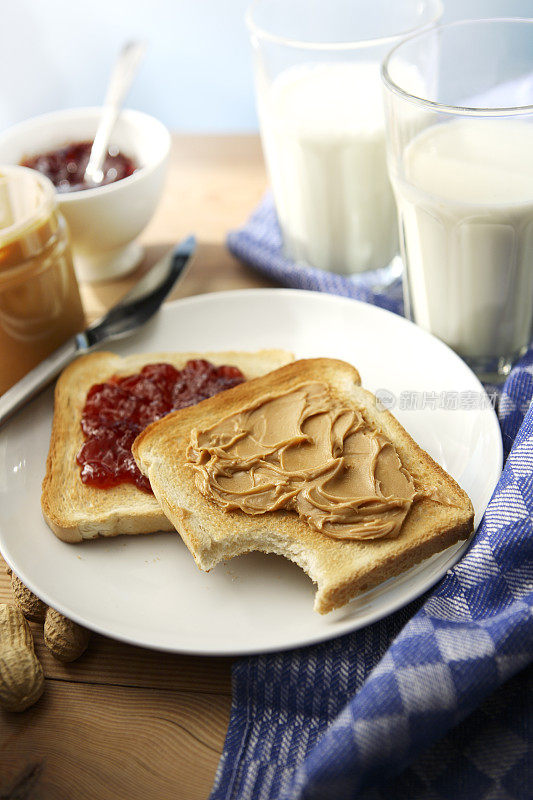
(124, 722)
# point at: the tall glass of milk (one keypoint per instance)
(461, 165)
(319, 98)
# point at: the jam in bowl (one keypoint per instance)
(105, 220)
(65, 166)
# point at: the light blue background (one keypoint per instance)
(197, 74)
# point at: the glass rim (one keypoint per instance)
(480, 111)
(356, 44)
(46, 205)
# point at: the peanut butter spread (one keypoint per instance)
(304, 450)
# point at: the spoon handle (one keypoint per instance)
(121, 79)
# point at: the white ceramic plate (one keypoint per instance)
(146, 589)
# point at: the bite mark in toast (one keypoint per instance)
(341, 569)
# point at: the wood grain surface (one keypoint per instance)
(124, 722)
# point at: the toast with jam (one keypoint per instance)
(303, 462)
(92, 486)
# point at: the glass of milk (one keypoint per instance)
(319, 97)
(459, 109)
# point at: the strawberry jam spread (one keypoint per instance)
(117, 411)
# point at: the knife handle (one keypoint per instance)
(36, 380)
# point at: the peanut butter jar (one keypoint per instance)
(40, 304)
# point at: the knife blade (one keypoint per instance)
(133, 310)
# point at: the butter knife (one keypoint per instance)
(132, 311)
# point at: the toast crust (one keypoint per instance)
(76, 511)
(340, 568)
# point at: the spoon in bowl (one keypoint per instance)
(122, 76)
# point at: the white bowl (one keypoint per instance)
(103, 221)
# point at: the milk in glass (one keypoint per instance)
(465, 203)
(324, 139)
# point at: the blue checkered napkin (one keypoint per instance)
(431, 703)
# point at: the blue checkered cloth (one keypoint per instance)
(435, 701)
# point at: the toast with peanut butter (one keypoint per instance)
(75, 510)
(303, 463)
